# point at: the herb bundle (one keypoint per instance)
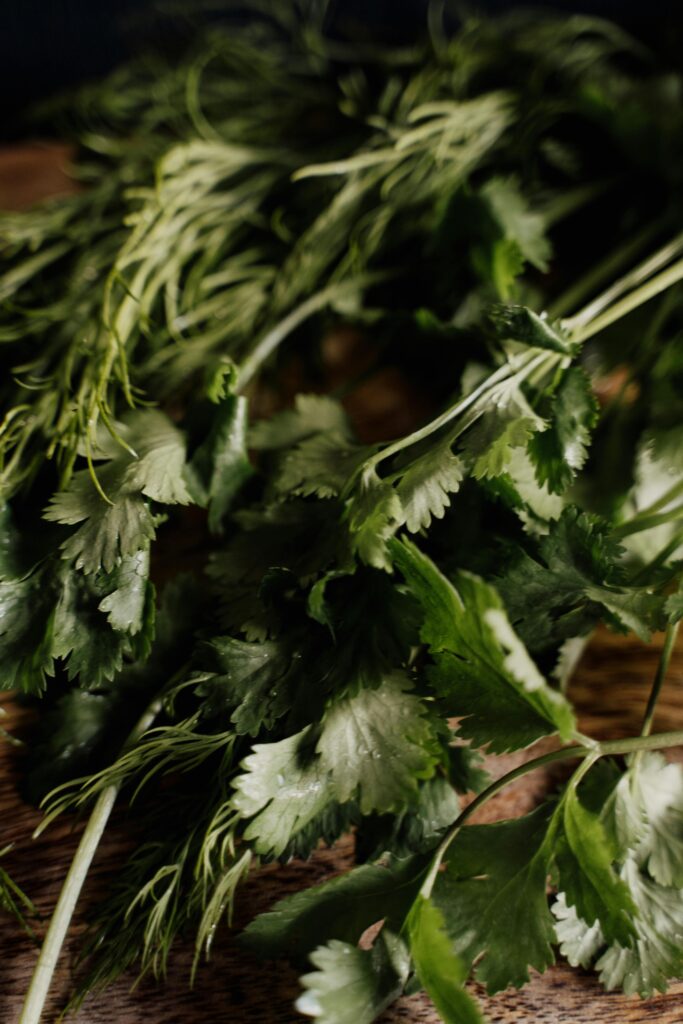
(491, 219)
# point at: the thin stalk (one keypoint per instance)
(607, 748)
(635, 277)
(672, 275)
(659, 559)
(43, 973)
(273, 338)
(660, 675)
(648, 522)
(665, 499)
(603, 271)
(504, 374)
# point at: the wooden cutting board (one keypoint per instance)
(610, 689)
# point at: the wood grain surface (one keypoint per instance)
(610, 689)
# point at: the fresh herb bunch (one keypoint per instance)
(494, 218)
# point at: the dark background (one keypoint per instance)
(47, 46)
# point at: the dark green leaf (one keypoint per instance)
(481, 667)
(493, 899)
(561, 451)
(341, 908)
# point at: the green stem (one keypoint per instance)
(582, 331)
(607, 748)
(603, 271)
(660, 675)
(674, 492)
(647, 522)
(41, 978)
(503, 375)
(273, 338)
(659, 559)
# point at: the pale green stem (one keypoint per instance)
(504, 374)
(629, 281)
(603, 271)
(641, 523)
(36, 996)
(659, 559)
(672, 275)
(273, 338)
(660, 675)
(594, 751)
(665, 499)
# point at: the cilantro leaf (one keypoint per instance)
(438, 966)
(351, 985)
(655, 956)
(84, 729)
(343, 908)
(298, 535)
(220, 466)
(312, 414)
(374, 515)
(109, 532)
(123, 524)
(26, 623)
(282, 787)
(101, 618)
(521, 324)
(425, 486)
(519, 489)
(493, 899)
(320, 465)
(254, 683)
(416, 829)
(481, 667)
(377, 743)
(570, 580)
(520, 224)
(129, 593)
(506, 425)
(584, 857)
(561, 451)
(645, 813)
(158, 470)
